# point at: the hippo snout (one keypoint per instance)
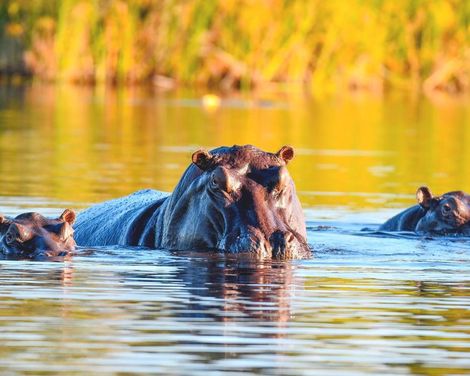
(280, 244)
(280, 241)
(288, 245)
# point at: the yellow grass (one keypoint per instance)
(326, 46)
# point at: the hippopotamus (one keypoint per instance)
(232, 199)
(445, 214)
(31, 235)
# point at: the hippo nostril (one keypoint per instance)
(277, 240)
(277, 237)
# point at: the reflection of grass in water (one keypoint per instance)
(327, 45)
(78, 145)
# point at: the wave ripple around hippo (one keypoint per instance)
(233, 199)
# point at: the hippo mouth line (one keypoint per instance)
(444, 231)
(276, 245)
(440, 227)
(8, 250)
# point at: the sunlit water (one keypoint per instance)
(367, 303)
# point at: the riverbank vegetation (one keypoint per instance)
(326, 46)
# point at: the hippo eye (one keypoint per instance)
(9, 238)
(446, 209)
(214, 182)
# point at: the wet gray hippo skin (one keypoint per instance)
(445, 214)
(30, 235)
(233, 199)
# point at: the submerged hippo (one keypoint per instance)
(446, 214)
(30, 235)
(233, 199)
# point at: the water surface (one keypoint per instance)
(365, 304)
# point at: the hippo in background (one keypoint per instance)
(232, 199)
(32, 236)
(445, 214)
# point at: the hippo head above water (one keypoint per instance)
(239, 199)
(252, 203)
(231, 199)
(30, 235)
(448, 213)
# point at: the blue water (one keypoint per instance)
(366, 303)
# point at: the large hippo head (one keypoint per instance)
(448, 213)
(238, 199)
(31, 235)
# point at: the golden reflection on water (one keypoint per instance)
(351, 309)
(84, 145)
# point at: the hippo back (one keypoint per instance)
(126, 220)
(404, 221)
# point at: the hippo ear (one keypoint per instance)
(4, 220)
(286, 153)
(68, 216)
(203, 159)
(424, 197)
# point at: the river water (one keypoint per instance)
(366, 304)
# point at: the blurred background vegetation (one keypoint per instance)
(325, 46)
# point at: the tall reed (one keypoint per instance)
(325, 45)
